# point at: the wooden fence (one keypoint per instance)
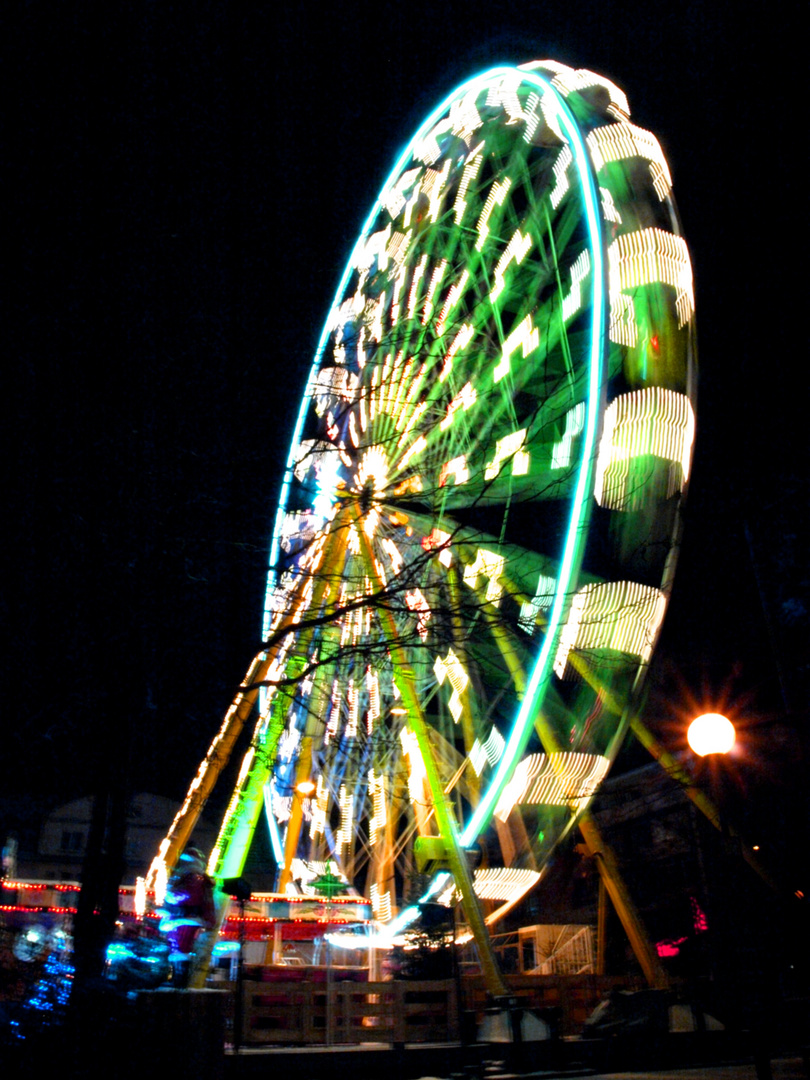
(349, 1012)
(568, 1000)
(309, 1013)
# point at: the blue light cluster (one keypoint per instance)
(46, 1005)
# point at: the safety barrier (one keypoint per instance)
(349, 1012)
(565, 1000)
(311, 1013)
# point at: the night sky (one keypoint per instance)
(189, 180)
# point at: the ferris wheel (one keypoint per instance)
(475, 539)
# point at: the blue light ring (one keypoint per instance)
(581, 504)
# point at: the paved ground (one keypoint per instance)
(785, 1068)
(375, 1064)
(782, 1069)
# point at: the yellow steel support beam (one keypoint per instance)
(237, 715)
(606, 861)
(302, 772)
(622, 902)
(601, 929)
(469, 719)
(313, 729)
(448, 827)
(701, 800)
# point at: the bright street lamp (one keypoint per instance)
(711, 733)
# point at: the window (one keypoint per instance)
(72, 841)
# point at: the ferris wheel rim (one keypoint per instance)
(521, 726)
(656, 408)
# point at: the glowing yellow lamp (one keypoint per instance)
(711, 733)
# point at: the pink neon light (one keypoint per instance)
(669, 948)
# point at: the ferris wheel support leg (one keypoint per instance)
(319, 703)
(302, 773)
(622, 902)
(203, 784)
(448, 828)
(701, 800)
(445, 818)
(238, 827)
(601, 928)
(218, 753)
(606, 861)
(469, 718)
(512, 834)
(239, 824)
(610, 875)
(505, 647)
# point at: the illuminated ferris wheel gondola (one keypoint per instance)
(474, 544)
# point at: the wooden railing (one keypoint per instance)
(312, 1012)
(569, 999)
(349, 1012)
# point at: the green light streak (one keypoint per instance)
(574, 543)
